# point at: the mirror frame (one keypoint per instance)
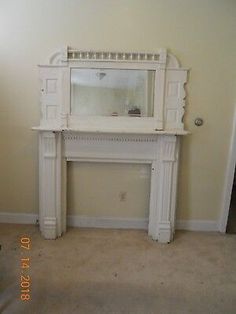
(169, 93)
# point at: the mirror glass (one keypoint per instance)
(112, 92)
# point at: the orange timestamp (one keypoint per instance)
(25, 283)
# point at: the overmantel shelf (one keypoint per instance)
(110, 107)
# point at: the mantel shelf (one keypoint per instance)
(112, 131)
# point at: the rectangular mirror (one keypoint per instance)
(112, 92)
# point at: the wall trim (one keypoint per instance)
(18, 218)
(108, 222)
(197, 225)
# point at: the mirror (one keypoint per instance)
(112, 92)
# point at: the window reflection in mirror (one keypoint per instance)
(112, 92)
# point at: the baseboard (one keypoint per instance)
(108, 222)
(18, 218)
(137, 223)
(197, 225)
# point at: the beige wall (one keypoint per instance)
(200, 33)
(116, 190)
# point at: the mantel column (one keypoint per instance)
(52, 167)
(163, 190)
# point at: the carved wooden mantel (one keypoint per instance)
(62, 138)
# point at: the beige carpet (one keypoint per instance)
(111, 271)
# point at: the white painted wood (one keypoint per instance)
(134, 223)
(112, 131)
(122, 122)
(197, 225)
(161, 151)
(63, 189)
(174, 186)
(108, 56)
(111, 147)
(110, 222)
(51, 212)
(107, 222)
(66, 137)
(50, 96)
(169, 91)
(159, 94)
(153, 200)
(229, 179)
(174, 99)
(166, 183)
(18, 218)
(64, 96)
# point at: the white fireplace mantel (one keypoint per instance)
(153, 141)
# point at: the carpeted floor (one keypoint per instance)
(112, 271)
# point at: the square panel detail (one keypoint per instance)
(51, 86)
(171, 115)
(51, 112)
(173, 89)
